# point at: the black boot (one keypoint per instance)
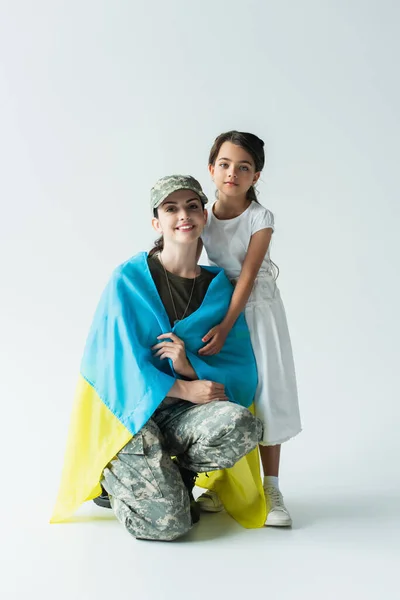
(103, 500)
(189, 478)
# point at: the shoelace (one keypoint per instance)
(211, 495)
(275, 495)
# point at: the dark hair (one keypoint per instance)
(249, 142)
(159, 243)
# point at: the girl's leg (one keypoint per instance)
(270, 457)
(278, 515)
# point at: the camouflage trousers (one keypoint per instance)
(146, 490)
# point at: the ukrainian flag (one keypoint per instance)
(122, 383)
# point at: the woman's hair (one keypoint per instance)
(249, 142)
(159, 243)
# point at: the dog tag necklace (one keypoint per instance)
(170, 293)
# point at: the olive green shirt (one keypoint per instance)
(181, 289)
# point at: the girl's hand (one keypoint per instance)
(216, 339)
(175, 350)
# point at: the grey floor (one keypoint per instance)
(342, 545)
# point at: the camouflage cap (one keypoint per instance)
(172, 183)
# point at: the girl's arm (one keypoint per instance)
(256, 252)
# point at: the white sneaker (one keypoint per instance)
(210, 502)
(278, 515)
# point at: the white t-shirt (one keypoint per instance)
(227, 241)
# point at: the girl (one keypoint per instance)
(237, 238)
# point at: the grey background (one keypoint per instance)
(98, 100)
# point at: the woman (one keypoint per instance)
(145, 394)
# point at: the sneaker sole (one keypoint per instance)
(278, 524)
(209, 509)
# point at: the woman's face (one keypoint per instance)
(181, 217)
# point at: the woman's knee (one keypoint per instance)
(173, 531)
(164, 518)
(166, 528)
(235, 428)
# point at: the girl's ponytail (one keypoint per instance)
(252, 194)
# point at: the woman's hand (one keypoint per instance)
(216, 339)
(203, 391)
(175, 350)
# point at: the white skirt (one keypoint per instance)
(276, 400)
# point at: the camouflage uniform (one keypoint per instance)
(146, 489)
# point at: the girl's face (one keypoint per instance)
(234, 170)
(181, 217)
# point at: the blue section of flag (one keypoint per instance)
(119, 363)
